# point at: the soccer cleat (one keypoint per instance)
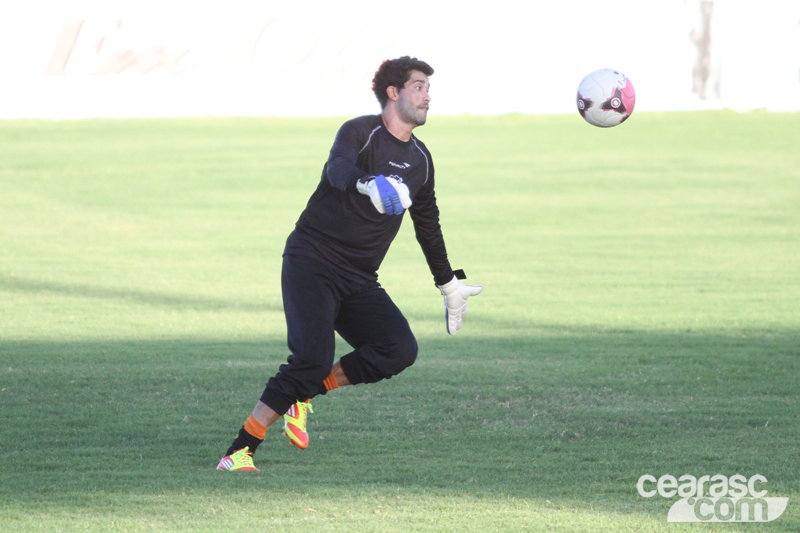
(294, 424)
(240, 461)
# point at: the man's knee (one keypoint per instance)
(371, 363)
(402, 354)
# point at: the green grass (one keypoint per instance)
(640, 315)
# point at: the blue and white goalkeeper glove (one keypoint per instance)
(455, 302)
(387, 194)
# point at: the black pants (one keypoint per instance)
(319, 301)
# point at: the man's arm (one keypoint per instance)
(341, 169)
(425, 214)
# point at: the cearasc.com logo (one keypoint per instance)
(715, 498)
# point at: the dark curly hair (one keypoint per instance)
(395, 73)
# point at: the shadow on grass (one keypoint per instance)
(142, 297)
(573, 418)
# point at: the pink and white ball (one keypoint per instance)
(606, 98)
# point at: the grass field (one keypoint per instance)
(640, 316)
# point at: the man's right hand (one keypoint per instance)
(387, 194)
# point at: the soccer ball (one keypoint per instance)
(606, 98)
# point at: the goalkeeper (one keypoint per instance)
(376, 170)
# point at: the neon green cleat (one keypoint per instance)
(240, 461)
(294, 423)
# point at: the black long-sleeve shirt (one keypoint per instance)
(342, 226)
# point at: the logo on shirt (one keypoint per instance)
(400, 165)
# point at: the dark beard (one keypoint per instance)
(409, 117)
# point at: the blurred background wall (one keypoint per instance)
(176, 58)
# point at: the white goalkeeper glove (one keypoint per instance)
(387, 194)
(455, 302)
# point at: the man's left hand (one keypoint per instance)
(455, 302)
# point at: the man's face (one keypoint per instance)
(414, 99)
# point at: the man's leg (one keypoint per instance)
(370, 322)
(384, 344)
(311, 301)
(339, 376)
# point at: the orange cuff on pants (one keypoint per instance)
(255, 428)
(330, 382)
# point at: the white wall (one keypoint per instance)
(178, 58)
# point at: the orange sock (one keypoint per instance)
(255, 428)
(330, 382)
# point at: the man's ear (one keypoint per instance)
(391, 92)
